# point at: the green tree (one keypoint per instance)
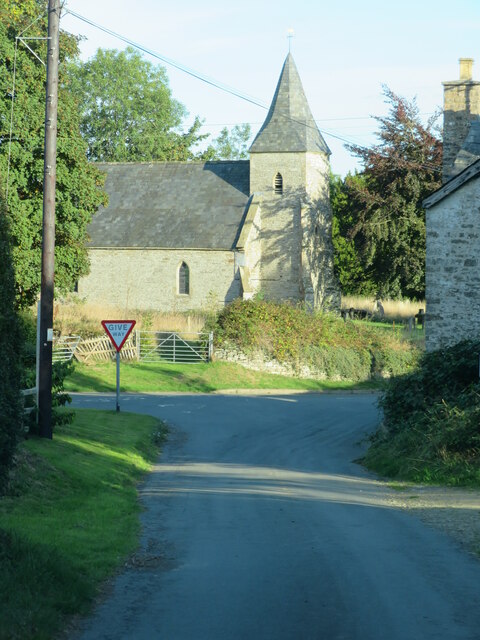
(127, 110)
(231, 144)
(10, 348)
(385, 201)
(348, 263)
(79, 183)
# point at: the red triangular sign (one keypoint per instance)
(118, 331)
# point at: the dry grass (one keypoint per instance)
(75, 317)
(394, 309)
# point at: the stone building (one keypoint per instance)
(453, 220)
(182, 236)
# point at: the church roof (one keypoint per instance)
(289, 126)
(172, 205)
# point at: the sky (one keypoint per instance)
(344, 51)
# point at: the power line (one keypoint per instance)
(215, 83)
(191, 72)
(173, 63)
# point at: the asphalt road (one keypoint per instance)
(258, 525)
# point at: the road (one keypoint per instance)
(259, 525)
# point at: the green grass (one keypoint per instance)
(70, 519)
(395, 328)
(214, 376)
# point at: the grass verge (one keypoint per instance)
(214, 376)
(71, 518)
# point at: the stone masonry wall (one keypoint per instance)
(147, 279)
(452, 267)
(461, 107)
(295, 248)
(318, 250)
(280, 236)
(253, 252)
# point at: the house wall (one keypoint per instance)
(147, 278)
(461, 107)
(452, 267)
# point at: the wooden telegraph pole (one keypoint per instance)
(48, 243)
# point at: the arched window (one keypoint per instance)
(184, 279)
(278, 184)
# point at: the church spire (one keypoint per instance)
(289, 125)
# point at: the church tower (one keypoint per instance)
(289, 185)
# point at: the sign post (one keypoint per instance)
(118, 332)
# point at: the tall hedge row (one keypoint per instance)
(10, 353)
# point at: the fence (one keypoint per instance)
(170, 346)
(148, 346)
(64, 348)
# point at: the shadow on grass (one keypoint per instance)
(81, 381)
(37, 584)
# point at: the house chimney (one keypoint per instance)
(461, 108)
(466, 65)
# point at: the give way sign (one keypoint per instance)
(118, 331)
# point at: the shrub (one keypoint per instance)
(60, 398)
(291, 334)
(431, 429)
(11, 344)
(341, 363)
(441, 376)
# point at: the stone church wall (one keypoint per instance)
(281, 232)
(148, 279)
(296, 249)
(452, 267)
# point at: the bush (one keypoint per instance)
(293, 335)
(60, 398)
(341, 362)
(11, 345)
(441, 376)
(431, 429)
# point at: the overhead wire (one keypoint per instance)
(214, 83)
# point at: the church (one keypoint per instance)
(180, 236)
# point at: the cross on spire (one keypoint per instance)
(290, 36)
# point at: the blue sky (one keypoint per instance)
(345, 51)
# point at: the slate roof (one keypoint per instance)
(172, 205)
(471, 172)
(470, 150)
(289, 126)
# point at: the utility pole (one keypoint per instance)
(48, 243)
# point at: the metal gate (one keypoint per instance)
(170, 346)
(64, 348)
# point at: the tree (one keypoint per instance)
(385, 201)
(127, 110)
(10, 346)
(230, 144)
(348, 265)
(79, 183)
